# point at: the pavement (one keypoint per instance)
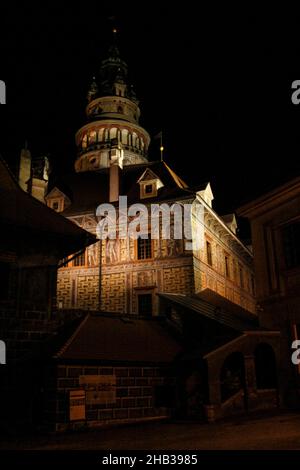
(263, 432)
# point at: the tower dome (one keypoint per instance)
(113, 115)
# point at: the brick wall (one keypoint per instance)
(136, 395)
(23, 330)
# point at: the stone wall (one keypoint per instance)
(139, 395)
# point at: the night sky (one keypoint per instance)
(217, 83)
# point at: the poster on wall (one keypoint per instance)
(99, 389)
(77, 405)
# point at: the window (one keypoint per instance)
(144, 248)
(57, 204)
(291, 245)
(148, 189)
(79, 260)
(227, 271)
(241, 277)
(145, 304)
(209, 253)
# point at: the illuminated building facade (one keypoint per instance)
(124, 275)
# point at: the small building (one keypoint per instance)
(112, 369)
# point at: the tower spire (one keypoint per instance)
(113, 114)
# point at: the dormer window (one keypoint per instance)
(57, 200)
(149, 183)
(56, 204)
(148, 188)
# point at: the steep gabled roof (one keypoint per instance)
(22, 213)
(86, 190)
(112, 338)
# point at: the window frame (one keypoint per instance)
(149, 239)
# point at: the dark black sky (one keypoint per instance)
(218, 83)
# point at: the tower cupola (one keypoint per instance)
(113, 114)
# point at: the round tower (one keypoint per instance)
(113, 117)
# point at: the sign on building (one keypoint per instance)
(77, 405)
(99, 389)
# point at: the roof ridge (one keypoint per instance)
(179, 181)
(9, 171)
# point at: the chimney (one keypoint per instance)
(25, 168)
(116, 163)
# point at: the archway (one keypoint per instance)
(192, 389)
(232, 375)
(265, 367)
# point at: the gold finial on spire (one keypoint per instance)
(161, 148)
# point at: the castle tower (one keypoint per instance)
(33, 174)
(112, 113)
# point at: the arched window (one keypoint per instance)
(265, 367)
(92, 137)
(84, 141)
(120, 109)
(125, 136)
(134, 137)
(100, 135)
(113, 133)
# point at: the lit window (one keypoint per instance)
(291, 245)
(209, 253)
(84, 142)
(144, 248)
